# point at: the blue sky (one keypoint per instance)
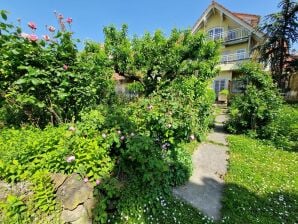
(90, 16)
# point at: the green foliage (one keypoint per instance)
(44, 195)
(144, 144)
(143, 159)
(135, 88)
(108, 194)
(224, 92)
(259, 187)
(14, 210)
(283, 130)
(156, 59)
(258, 105)
(24, 152)
(49, 81)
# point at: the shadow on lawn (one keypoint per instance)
(244, 206)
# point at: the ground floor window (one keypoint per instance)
(219, 85)
(237, 86)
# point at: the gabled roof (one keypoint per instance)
(240, 18)
(253, 19)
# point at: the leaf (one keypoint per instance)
(3, 14)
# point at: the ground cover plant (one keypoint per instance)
(261, 184)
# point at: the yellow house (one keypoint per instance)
(238, 35)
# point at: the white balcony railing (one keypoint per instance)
(230, 35)
(234, 57)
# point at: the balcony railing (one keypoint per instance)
(230, 35)
(226, 58)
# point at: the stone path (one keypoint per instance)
(204, 188)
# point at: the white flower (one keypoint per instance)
(70, 159)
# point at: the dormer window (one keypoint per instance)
(215, 33)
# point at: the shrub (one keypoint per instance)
(49, 81)
(283, 130)
(258, 105)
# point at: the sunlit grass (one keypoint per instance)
(261, 184)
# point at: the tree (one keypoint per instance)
(155, 60)
(281, 31)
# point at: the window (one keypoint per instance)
(241, 54)
(219, 85)
(237, 86)
(232, 35)
(216, 33)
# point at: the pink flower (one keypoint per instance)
(70, 159)
(86, 179)
(71, 128)
(52, 29)
(69, 20)
(122, 137)
(25, 35)
(104, 135)
(32, 25)
(65, 67)
(97, 182)
(46, 37)
(32, 37)
(192, 137)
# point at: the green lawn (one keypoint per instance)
(261, 184)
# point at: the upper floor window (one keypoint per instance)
(216, 33)
(241, 54)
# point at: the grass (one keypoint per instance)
(261, 184)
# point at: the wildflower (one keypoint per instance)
(46, 37)
(97, 182)
(69, 20)
(32, 37)
(119, 132)
(71, 128)
(70, 159)
(150, 107)
(60, 16)
(86, 179)
(104, 135)
(52, 29)
(192, 137)
(132, 134)
(25, 35)
(122, 137)
(32, 25)
(65, 67)
(169, 125)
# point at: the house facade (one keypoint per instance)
(238, 35)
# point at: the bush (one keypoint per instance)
(49, 81)
(283, 130)
(258, 105)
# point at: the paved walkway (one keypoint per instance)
(205, 186)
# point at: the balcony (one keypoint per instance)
(237, 56)
(231, 36)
